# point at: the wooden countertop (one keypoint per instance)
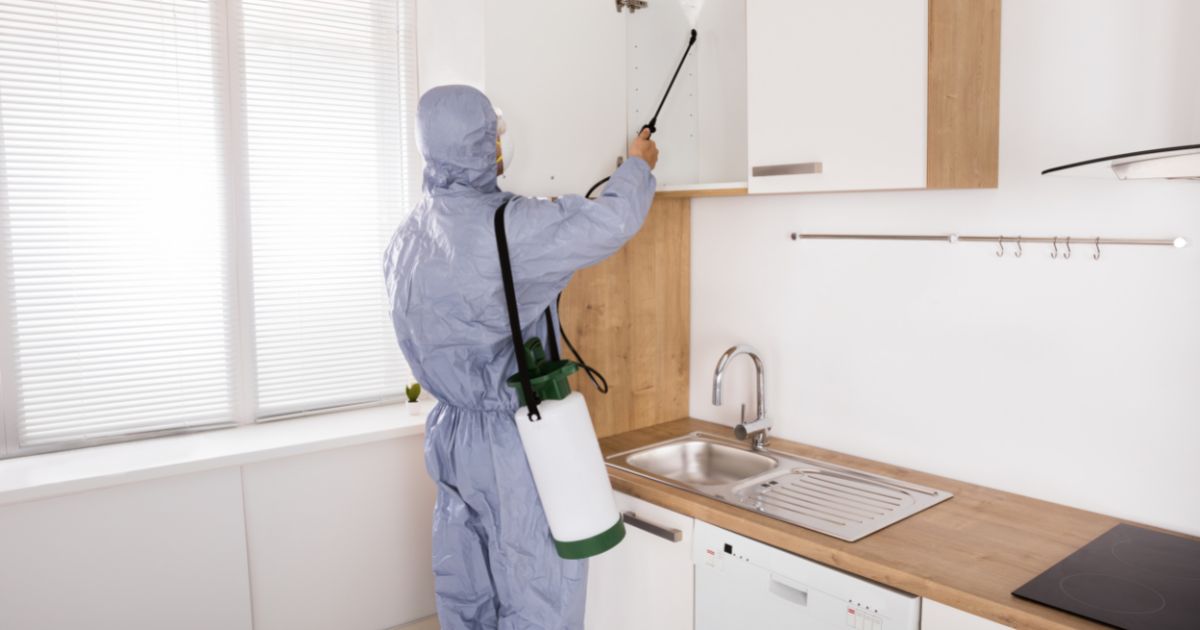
(970, 552)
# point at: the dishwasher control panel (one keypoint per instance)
(862, 618)
(741, 582)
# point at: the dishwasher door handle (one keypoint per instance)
(794, 594)
(666, 533)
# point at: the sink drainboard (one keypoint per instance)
(852, 504)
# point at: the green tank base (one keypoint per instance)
(594, 546)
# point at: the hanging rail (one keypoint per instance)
(1001, 239)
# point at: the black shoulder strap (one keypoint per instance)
(551, 337)
(514, 317)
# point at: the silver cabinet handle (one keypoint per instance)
(673, 535)
(799, 168)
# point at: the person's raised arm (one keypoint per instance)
(549, 238)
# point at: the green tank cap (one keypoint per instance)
(549, 377)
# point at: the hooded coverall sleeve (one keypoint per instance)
(551, 239)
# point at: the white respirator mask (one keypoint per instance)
(504, 145)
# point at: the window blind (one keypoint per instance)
(328, 91)
(113, 228)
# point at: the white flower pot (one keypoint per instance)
(414, 408)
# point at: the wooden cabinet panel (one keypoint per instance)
(630, 316)
(964, 94)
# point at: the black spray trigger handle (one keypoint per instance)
(652, 126)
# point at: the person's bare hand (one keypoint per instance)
(643, 147)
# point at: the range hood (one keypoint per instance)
(1181, 162)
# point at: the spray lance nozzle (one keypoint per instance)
(653, 124)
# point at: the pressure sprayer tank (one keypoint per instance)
(564, 457)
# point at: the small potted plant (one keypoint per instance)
(414, 405)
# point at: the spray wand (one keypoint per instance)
(653, 124)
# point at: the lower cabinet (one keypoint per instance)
(938, 616)
(161, 553)
(646, 582)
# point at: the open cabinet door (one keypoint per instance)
(557, 70)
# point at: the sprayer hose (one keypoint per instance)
(598, 184)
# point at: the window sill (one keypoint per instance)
(52, 474)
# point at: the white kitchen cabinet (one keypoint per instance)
(646, 582)
(836, 94)
(557, 71)
(164, 553)
(340, 538)
(872, 94)
(577, 80)
(938, 616)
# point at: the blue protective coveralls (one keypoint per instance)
(494, 562)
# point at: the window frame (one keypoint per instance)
(230, 103)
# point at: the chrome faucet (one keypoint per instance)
(758, 428)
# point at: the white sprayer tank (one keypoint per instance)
(571, 479)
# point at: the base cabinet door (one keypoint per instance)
(646, 582)
(938, 616)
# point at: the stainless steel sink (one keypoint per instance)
(842, 502)
(700, 462)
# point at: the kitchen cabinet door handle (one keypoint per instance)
(799, 168)
(666, 533)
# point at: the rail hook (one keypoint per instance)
(1019, 251)
(1096, 256)
(1000, 252)
(1054, 254)
(1067, 256)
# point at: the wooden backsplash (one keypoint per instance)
(630, 318)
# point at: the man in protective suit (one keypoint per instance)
(494, 562)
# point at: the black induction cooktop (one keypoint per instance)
(1130, 578)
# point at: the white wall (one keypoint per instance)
(450, 41)
(1073, 381)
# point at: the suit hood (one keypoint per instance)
(456, 134)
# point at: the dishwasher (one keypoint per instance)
(742, 583)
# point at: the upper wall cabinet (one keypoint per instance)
(557, 70)
(796, 95)
(872, 94)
